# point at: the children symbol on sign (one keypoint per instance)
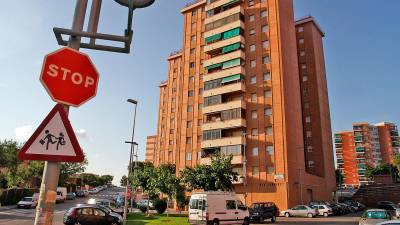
(48, 139)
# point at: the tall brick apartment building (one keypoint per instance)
(250, 82)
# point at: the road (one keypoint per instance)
(14, 216)
(342, 220)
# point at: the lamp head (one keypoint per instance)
(136, 3)
(132, 101)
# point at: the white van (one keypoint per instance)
(61, 194)
(214, 208)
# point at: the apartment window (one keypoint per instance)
(251, 18)
(265, 44)
(188, 140)
(255, 151)
(300, 29)
(173, 110)
(254, 114)
(188, 156)
(302, 53)
(262, 1)
(200, 106)
(193, 51)
(190, 93)
(171, 131)
(308, 134)
(193, 38)
(311, 164)
(310, 148)
(199, 122)
(270, 169)
(171, 142)
(303, 66)
(253, 79)
(255, 171)
(268, 130)
(267, 94)
(305, 91)
(305, 78)
(301, 41)
(200, 91)
(173, 90)
(190, 108)
(252, 32)
(191, 79)
(254, 132)
(308, 119)
(252, 48)
(194, 13)
(269, 149)
(267, 76)
(266, 59)
(192, 64)
(253, 63)
(198, 155)
(189, 124)
(264, 13)
(265, 29)
(254, 97)
(251, 2)
(268, 111)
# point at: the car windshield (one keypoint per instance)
(375, 215)
(27, 199)
(106, 209)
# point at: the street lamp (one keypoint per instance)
(132, 143)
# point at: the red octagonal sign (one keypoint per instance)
(69, 77)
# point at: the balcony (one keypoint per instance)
(229, 26)
(220, 3)
(236, 160)
(224, 73)
(221, 15)
(358, 139)
(224, 124)
(239, 140)
(224, 58)
(338, 140)
(235, 87)
(223, 43)
(360, 149)
(224, 106)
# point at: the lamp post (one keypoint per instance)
(132, 143)
(245, 167)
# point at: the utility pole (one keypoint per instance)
(48, 189)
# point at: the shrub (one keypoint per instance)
(160, 206)
(143, 208)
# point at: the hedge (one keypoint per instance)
(14, 195)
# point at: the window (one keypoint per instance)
(190, 93)
(262, 1)
(252, 48)
(200, 106)
(254, 97)
(230, 205)
(305, 91)
(307, 105)
(255, 171)
(267, 94)
(251, 2)
(255, 151)
(301, 41)
(253, 63)
(189, 124)
(171, 131)
(192, 64)
(252, 32)
(269, 130)
(254, 132)
(98, 212)
(265, 29)
(270, 169)
(302, 53)
(194, 13)
(308, 119)
(190, 108)
(300, 29)
(268, 111)
(303, 66)
(200, 91)
(198, 155)
(305, 78)
(253, 79)
(265, 44)
(188, 140)
(311, 164)
(267, 76)
(308, 134)
(188, 156)
(171, 142)
(310, 149)
(193, 38)
(86, 211)
(266, 59)
(264, 13)
(254, 114)
(251, 18)
(269, 149)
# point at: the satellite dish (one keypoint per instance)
(136, 3)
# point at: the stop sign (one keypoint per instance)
(69, 77)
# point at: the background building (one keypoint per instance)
(235, 89)
(151, 146)
(366, 145)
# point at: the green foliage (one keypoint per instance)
(160, 205)
(146, 178)
(384, 169)
(8, 154)
(106, 179)
(14, 195)
(123, 181)
(217, 176)
(69, 169)
(143, 208)
(396, 163)
(139, 218)
(339, 177)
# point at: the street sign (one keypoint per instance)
(54, 140)
(69, 77)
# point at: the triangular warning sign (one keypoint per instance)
(54, 140)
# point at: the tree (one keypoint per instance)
(217, 176)
(107, 179)
(69, 169)
(339, 177)
(396, 162)
(124, 180)
(90, 179)
(146, 179)
(8, 154)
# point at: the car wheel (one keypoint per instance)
(215, 222)
(273, 219)
(310, 215)
(246, 221)
(77, 223)
(326, 214)
(287, 214)
(260, 219)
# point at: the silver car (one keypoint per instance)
(300, 210)
(391, 222)
(374, 216)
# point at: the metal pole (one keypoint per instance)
(48, 190)
(94, 19)
(245, 168)
(134, 171)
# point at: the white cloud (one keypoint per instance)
(23, 133)
(81, 133)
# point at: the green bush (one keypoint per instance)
(12, 196)
(160, 206)
(143, 208)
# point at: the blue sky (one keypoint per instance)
(361, 50)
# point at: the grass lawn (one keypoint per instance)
(141, 219)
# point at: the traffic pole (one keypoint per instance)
(48, 189)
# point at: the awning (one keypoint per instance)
(231, 63)
(231, 48)
(213, 38)
(231, 78)
(231, 33)
(229, 3)
(214, 66)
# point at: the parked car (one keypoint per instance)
(80, 194)
(145, 202)
(323, 210)
(389, 206)
(347, 208)
(205, 208)
(62, 194)
(374, 216)
(91, 215)
(300, 210)
(390, 222)
(397, 213)
(27, 202)
(263, 210)
(71, 196)
(94, 191)
(109, 204)
(355, 205)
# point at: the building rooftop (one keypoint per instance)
(193, 4)
(310, 18)
(175, 54)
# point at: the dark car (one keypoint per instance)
(80, 194)
(263, 210)
(389, 206)
(71, 196)
(91, 215)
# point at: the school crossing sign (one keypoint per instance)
(54, 140)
